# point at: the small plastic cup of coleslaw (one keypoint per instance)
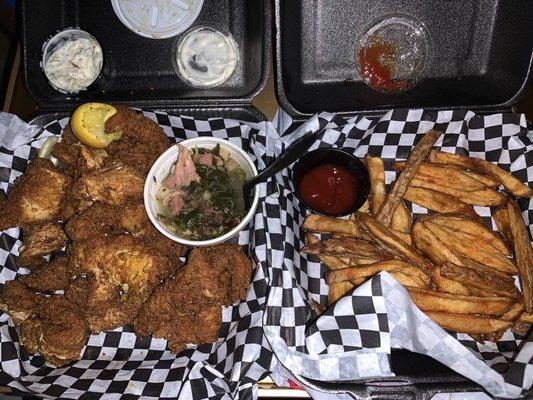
(72, 60)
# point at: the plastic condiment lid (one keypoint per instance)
(157, 19)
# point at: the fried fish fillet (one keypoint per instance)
(35, 197)
(17, 301)
(187, 307)
(48, 277)
(41, 240)
(56, 330)
(114, 276)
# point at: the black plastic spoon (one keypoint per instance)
(292, 154)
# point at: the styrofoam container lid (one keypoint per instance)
(157, 19)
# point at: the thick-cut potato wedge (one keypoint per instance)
(395, 196)
(446, 285)
(470, 324)
(472, 247)
(404, 236)
(364, 208)
(509, 182)
(490, 282)
(449, 177)
(430, 245)
(521, 329)
(501, 217)
(338, 290)
(471, 226)
(402, 219)
(486, 197)
(483, 178)
(393, 244)
(523, 253)
(437, 201)
(347, 248)
(365, 271)
(428, 300)
(322, 224)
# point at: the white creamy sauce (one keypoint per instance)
(74, 65)
(207, 57)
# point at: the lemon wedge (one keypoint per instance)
(88, 124)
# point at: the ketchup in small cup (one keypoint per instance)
(331, 182)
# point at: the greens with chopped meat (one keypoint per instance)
(202, 197)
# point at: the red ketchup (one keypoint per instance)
(329, 189)
(374, 70)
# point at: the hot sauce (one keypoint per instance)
(374, 68)
(329, 189)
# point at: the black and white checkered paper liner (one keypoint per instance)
(353, 339)
(119, 364)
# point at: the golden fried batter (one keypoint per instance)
(121, 273)
(56, 330)
(75, 157)
(134, 219)
(187, 307)
(142, 140)
(112, 185)
(97, 220)
(40, 240)
(35, 197)
(17, 301)
(48, 277)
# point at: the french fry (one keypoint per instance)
(329, 261)
(401, 220)
(395, 196)
(378, 188)
(526, 318)
(471, 226)
(511, 183)
(523, 253)
(428, 300)
(322, 224)
(365, 271)
(521, 329)
(364, 208)
(491, 282)
(483, 197)
(472, 248)
(348, 248)
(430, 245)
(470, 324)
(513, 313)
(338, 290)
(501, 217)
(446, 285)
(392, 243)
(449, 177)
(409, 280)
(437, 201)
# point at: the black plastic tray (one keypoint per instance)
(138, 71)
(480, 55)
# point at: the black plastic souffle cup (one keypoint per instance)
(335, 157)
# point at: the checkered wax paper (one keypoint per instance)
(353, 338)
(119, 364)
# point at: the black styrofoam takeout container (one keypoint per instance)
(479, 55)
(138, 71)
(479, 58)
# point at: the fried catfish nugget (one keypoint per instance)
(17, 301)
(114, 275)
(187, 307)
(56, 330)
(40, 240)
(48, 277)
(35, 197)
(142, 140)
